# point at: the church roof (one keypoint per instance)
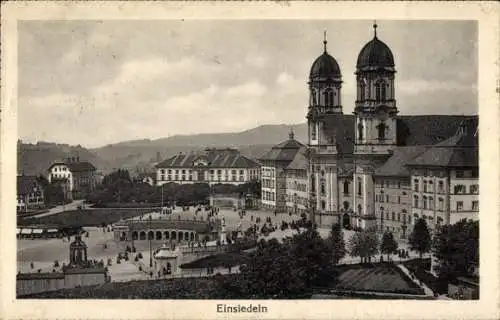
(421, 130)
(460, 150)
(300, 161)
(396, 164)
(215, 158)
(375, 54)
(325, 67)
(284, 151)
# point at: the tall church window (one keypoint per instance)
(362, 90)
(381, 130)
(313, 184)
(314, 100)
(346, 187)
(380, 91)
(323, 189)
(323, 205)
(313, 131)
(360, 131)
(328, 97)
(359, 186)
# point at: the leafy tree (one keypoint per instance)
(363, 244)
(388, 245)
(337, 243)
(456, 247)
(420, 238)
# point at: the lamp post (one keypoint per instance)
(162, 198)
(150, 239)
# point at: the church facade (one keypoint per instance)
(376, 169)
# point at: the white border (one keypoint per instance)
(486, 13)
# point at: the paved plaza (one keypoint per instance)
(102, 246)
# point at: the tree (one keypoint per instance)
(388, 245)
(420, 238)
(456, 247)
(285, 270)
(363, 244)
(337, 243)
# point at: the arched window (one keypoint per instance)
(382, 213)
(359, 186)
(415, 201)
(323, 189)
(380, 92)
(431, 203)
(362, 90)
(313, 183)
(328, 97)
(314, 100)
(151, 235)
(424, 202)
(381, 127)
(346, 187)
(360, 131)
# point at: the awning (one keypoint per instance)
(37, 230)
(18, 231)
(52, 230)
(26, 231)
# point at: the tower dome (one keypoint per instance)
(325, 66)
(375, 54)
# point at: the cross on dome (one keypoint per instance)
(375, 26)
(324, 40)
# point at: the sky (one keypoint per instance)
(95, 83)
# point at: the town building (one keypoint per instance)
(376, 169)
(284, 177)
(29, 193)
(212, 166)
(80, 176)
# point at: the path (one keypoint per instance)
(58, 209)
(427, 290)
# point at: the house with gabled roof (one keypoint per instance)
(212, 166)
(79, 177)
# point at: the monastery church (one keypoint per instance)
(373, 169)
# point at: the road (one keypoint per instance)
(70, 206)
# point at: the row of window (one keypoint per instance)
(328, 97)
(428, 186)
(61, 169)
(266, 183)
(474, 206)
(189, 171)
(294, 185)
(380, 91)
(296, 199)
(60, 175)
(385, 198)
(473, 173)
(427, 203)
(462, 189)
(268, 196)
(190, 178)
(266, 172)
(389, 184)
(400, 216)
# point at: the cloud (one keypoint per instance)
(421, 86)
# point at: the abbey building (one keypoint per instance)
(374, 169)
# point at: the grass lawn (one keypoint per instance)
(381, 277)
(225, 260)
(85, 218)
(184, 288)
